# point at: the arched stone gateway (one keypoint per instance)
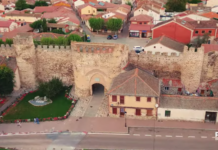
(97, 89)
(95, 66)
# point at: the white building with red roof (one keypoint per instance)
(6, 26)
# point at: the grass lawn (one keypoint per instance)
(24, 110)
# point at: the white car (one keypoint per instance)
(138, 49)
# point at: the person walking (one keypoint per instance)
(19, 124)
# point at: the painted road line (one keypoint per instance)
(136, 134)
(147, 135)
(106, 133)
(204, 137)
(168, 135)
(191, 136)
(179, 136)
(158, 135)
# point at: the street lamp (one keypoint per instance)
(125, 118)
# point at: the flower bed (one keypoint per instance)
(2, 120)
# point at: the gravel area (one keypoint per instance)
(81, 107)
(103, 109)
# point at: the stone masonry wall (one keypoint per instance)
(97, 63)
(6, 50)
(54, 62)
(192, 62)
(210, 66)
(163, 65)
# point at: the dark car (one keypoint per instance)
(109, 37)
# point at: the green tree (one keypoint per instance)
(74, 37)
(175, 5)
(9, 41)
(201, 40)
(47, 41)
(52, 21)
(114, 24)
(37, 25)
(51, 88)
(6, 80)
(96, 23)
(44, 25)
(194, 1)
(129, 3)
(41, 3)
(20, 5)
(1, 42)
(59, 31)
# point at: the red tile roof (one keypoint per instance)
(41, 9)
(5, 24)
(175, 82)
(141, 17)
(210, 15)
(187, 19)
(181, 14)
(210, 47)
(140, 27)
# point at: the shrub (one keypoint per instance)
(59, 31)
(51, 88)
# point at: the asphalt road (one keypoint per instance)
(138, 138)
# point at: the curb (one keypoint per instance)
(173, 128)
(42, 132)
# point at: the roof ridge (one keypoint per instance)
(122, 83)
(147, 85)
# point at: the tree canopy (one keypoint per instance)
(74, 37)
(41, 3)
(20, 5)
(41, 25)
(51, 88)
(96, 23)
(114, 24)
(6, 80)
(52, 21)
(201, 40)
(194, 1)
(59, 31)
(176, 5)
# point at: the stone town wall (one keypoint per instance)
(6, 50)
(191, 68)
(210, 66)
(54, 62)
(164, 66)
(97, 63)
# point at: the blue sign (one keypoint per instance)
(122, 110)
(144, 31)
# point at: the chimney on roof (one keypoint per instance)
(217, 24)
(170, 83)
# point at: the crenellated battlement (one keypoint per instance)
(193, 50)
(53, 48)
(7, 50)
(94, 47)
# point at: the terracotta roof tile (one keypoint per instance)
(189, 102)
(135, 82)
(168, 42)
(210, 47)
(141, 17)
(210, 15)
(5, 23)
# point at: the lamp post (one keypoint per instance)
(125, 118)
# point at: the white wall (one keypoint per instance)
(160, 48)
(2, 7)
(140, 11)
(195, 17)
(211, 3)
(215, 9)
(184, 114)
(78, 3)
(154, 15)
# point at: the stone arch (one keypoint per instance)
(94, 71)
(97, 78)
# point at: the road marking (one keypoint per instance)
(204, 137)
(107, 133)
(158, 135)
(136, 134)
(179, 136)
(191, 136)
(168, 135)
(147, 135)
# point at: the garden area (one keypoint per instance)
(58, 107)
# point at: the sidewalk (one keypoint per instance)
(172, 124)
(100, 125)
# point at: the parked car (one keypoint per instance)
(115, 37)
(109, 37)
(138, 49)
(88, 38)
